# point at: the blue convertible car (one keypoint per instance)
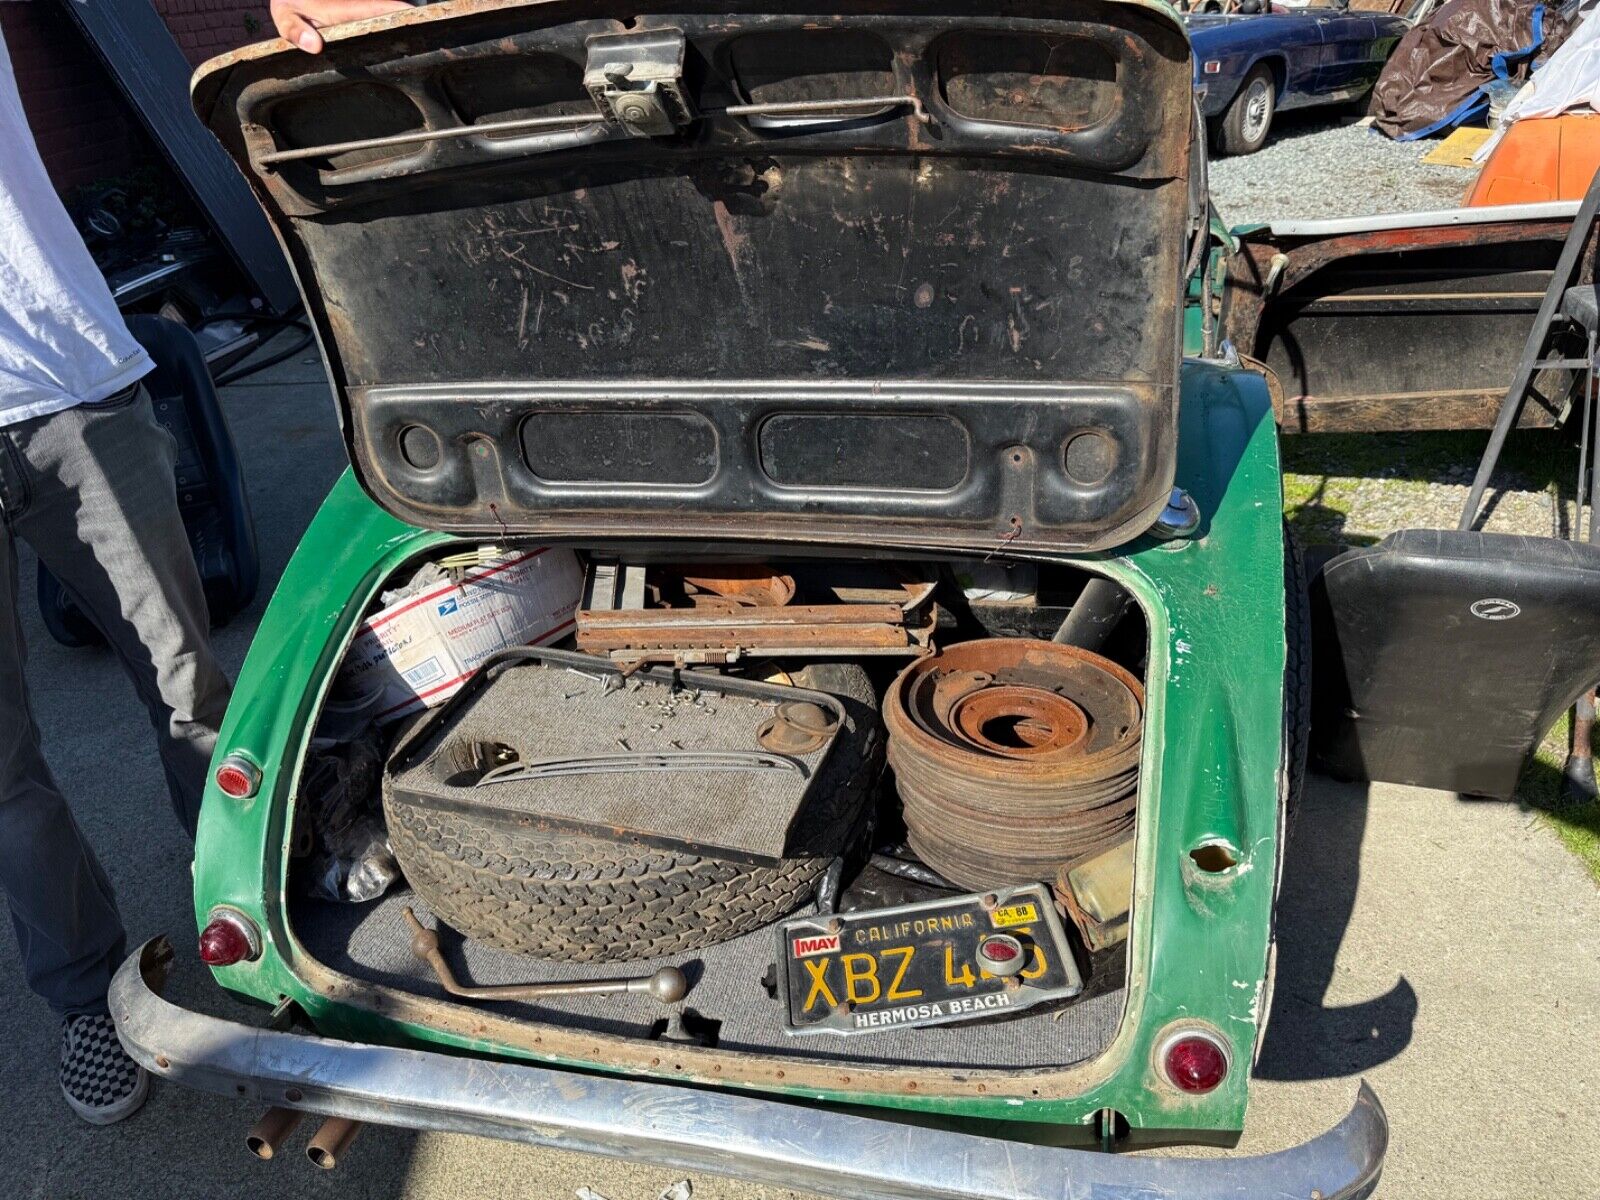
(1248, 66)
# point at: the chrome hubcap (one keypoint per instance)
(1257, 105)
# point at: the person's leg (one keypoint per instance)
(104, 517)
(68, 930)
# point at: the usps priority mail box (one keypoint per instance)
(422, 648)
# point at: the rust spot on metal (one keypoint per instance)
(731, 585)
(727, 615)
(733, 241)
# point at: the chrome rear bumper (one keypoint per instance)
(768, 1141)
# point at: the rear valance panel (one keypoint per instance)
(868, 275)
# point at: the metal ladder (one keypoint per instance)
(1567, 308)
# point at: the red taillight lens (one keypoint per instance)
(997, 951)
(229, 938)
(1001, 955)
(1195, 1063)
(238, 777)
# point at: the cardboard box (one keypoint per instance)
(422, 648)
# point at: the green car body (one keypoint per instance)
(932, 401)
(1213, 776)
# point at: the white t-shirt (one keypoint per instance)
(62, 340)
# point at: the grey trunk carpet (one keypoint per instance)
(554, 711)
(371, 942)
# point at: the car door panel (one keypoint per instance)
(1349, 45)
(1301, 37)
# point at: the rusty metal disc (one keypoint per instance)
(1016, 721)
(1014, 756)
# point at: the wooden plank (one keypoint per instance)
(1457, 149)
(1416, 411)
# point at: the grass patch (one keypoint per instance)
(1324, 474)
(1577, 825)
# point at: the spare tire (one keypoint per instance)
(587, 899)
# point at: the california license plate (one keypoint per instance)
(925, 964)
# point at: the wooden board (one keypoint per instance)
(1457, 149)
(1403, 413)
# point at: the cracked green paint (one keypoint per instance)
(1211, 774)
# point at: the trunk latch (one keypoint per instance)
(636, 80)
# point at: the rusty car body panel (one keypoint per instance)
(1398, 322)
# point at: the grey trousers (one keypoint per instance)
(91, 490)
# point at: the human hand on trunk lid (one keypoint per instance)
(298, 21)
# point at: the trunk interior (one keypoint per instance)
(734, 1001)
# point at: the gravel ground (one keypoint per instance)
(1338, 503)
(1321, 164)
(1380, 506)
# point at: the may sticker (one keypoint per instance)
(805, 947)
(1495, 609)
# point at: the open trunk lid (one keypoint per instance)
(892, 272)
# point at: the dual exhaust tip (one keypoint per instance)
(327, 1145)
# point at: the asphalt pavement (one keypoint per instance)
(1447, 951)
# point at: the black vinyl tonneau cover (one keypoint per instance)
(654, 293)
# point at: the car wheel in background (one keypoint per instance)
(1248, 120)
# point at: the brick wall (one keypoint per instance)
(84, 129)
(208, 27)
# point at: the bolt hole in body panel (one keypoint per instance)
(1214, 858)
(420, 447)
(1090, 457)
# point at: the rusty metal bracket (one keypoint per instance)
(749, 614)
(636, 81)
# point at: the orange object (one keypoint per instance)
(1542, 158)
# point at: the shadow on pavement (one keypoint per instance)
(1307, 1038)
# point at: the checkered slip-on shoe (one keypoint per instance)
(101, 1083)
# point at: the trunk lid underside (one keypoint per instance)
(901, 275)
